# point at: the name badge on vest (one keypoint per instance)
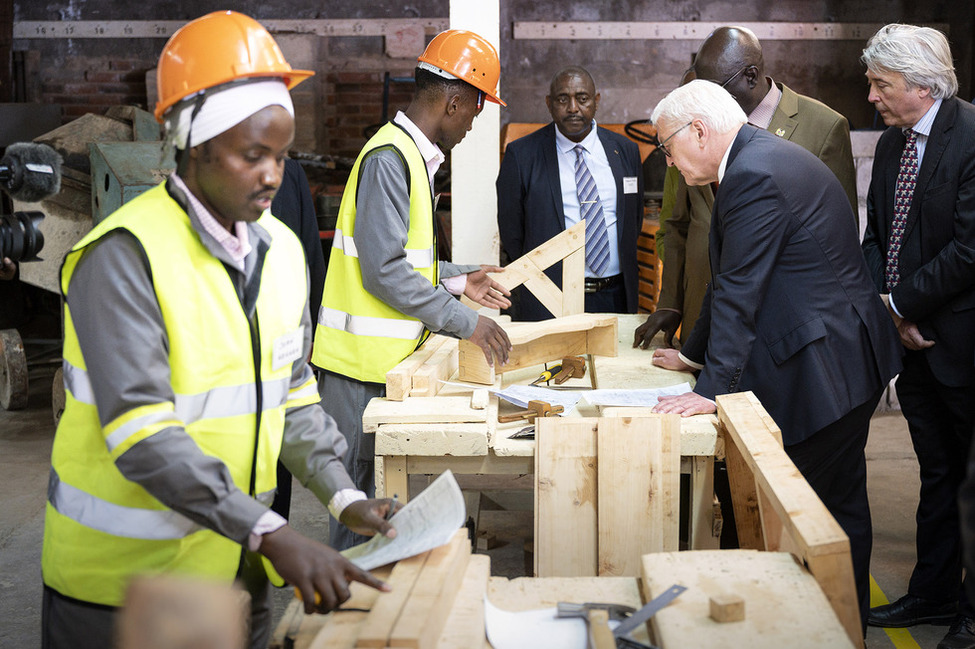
(287, 348)
(629, 184)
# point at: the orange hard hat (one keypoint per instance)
(468, 57)
(214, 49)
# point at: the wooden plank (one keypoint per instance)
(744, 500)
(432, 439)
(399, 380)
(784, 606)
(395, 479)
(565, 497)
(704, 534)
(573, 283)
(429, 377)
(543, 289)
(819, 540)
(465, 625)
(420, 410)
(425, 612)
(379, 623)
(638, 490)
(555, 249)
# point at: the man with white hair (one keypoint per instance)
(920, 247)
(185, 362)
(790, 313)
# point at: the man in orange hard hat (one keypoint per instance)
(385, 289)
(186, 339)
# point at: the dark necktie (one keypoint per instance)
(903, 193)
(591, 209)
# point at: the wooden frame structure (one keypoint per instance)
(776, 509)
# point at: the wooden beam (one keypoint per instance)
(399, 380)
(565, 498)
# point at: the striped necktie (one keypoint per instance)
(591, 209)
(903, 194)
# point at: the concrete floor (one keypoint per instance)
(25, 444)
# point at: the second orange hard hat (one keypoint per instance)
(468, 57)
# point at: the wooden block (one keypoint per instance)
(486, 541)
(565, 497)
(378, 626)
(168, 612)
(638, 489)
(423, 617)
(480, 398)
(727, 608)
(399, 380)
(429, 377)
(573, 283)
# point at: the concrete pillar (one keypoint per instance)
(475, 161)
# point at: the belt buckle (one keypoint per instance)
(592, 285)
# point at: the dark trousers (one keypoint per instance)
(940, 419)
(832, 461)
(345, 400)
(611, 299)
(68, 623)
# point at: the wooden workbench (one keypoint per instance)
(457, 443)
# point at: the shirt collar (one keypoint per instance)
(923, 126)
(761, 115)
(565, 145)
(724, 159)
(237, 247)
(433, 157)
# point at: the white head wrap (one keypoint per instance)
(224, 109)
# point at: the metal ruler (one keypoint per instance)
(165, 28)
(766, 31)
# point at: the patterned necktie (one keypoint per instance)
(904, 192)
(590, 208)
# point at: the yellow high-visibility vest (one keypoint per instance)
(358, 335)
(102, 529)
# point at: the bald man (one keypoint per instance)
(732, 58)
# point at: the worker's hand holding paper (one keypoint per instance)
(426, 522)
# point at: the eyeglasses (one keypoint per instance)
(735, 76)
(663, 145)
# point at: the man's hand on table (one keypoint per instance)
(669, 359)
(665, 320)
(367, 517)
(685, 405)
(314, 569)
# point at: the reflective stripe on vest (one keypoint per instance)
(415, 258)
(127, 522)
(227, 401)
(361, 325)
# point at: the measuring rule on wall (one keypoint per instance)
(697, 31)
(165, 28)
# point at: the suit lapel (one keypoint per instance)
(616, 164)
(784, 122)
(935, 147)
(550, 163)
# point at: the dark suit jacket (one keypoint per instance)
(937, 257)
(294, 206)
(809, 123)
(530, 208)
(791, 312)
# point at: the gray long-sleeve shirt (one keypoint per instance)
(123, 338)
(381, 226)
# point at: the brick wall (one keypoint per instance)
(353, 103)
(90, 85)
